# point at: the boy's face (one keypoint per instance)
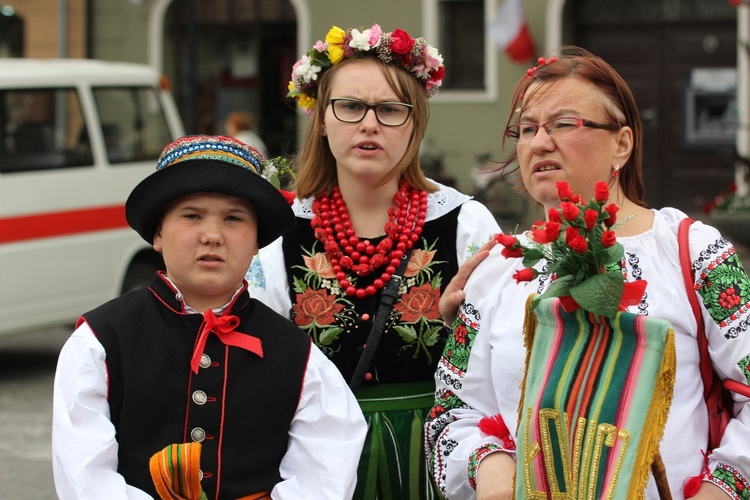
(207, 241)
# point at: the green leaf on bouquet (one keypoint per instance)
(614, 254)
(599, 294)
(558, 288)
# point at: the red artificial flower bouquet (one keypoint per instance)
(578, 243)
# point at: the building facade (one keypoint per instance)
(679, 56)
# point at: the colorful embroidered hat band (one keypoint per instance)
(211, 164)
(218, 148)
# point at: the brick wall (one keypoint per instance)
(40, 27)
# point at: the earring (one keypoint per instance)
(616, 173)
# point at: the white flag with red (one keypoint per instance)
(510, 30)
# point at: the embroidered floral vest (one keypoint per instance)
(414, 336)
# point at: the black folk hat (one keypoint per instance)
(208, 164)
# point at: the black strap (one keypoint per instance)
(387, 299)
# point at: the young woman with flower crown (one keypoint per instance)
(363, 206)
(577, 137)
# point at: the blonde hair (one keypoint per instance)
(316, 165)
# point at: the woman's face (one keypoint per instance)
(366, 151)
(583, 156)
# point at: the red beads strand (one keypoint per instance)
(347, 252)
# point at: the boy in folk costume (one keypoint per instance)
(190, 388)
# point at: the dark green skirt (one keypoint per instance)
(393, 464)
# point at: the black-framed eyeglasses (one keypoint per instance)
(390, 114)
(559, 128)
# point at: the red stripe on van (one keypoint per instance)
(47, 225)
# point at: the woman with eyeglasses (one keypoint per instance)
(375, 241)
(574, 119)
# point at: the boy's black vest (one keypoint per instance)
(238, 405)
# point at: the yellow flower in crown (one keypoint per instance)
(306, 101)
(335, 41)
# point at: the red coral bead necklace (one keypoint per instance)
(333, 228)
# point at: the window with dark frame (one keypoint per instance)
(42, 129)
(461, 27)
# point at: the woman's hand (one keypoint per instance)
(495, 477)
(454, 292)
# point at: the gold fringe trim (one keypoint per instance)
(529, 329)
(656, 419)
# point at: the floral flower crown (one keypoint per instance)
(414, 55)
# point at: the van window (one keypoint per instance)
(133, 123)
(42, 129)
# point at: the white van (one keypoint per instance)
(75, 137)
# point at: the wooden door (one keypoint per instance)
(657, 60)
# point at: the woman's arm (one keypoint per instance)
(723, 288)
(467, 390)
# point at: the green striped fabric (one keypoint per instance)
(393, 464)
(596, 396)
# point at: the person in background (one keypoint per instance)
(240, 126)
(368, 218)
(574, 119)
(190, 387)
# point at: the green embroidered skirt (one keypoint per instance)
(393, 465)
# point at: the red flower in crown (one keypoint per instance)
(401, 42)
(437, 75)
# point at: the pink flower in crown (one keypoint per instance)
(432, 60)
(320, 46)
(375, 34)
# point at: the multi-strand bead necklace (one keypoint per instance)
(348, 253)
